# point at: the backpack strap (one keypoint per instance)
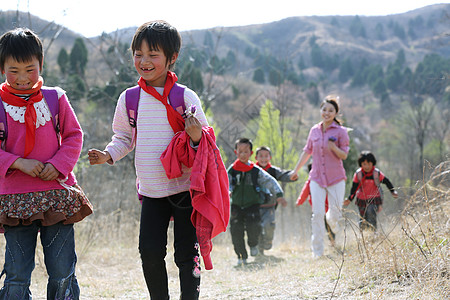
(376, 177)
(359, 175)
(132, 96)
(52, 99)
(176, 98)
(233, 174)
(3, 125)
(254, 173)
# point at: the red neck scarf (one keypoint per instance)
(176, 121)
(365, 175)
(368, 174)
(240, 166)
(267, 167)
(7, 93)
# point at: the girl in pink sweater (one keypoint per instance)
(38, 189)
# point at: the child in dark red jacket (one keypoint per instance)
(367, 189)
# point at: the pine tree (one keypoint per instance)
(63, 61)
(79, 57)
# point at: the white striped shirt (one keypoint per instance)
(154, 134)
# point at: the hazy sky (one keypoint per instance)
(92, 17)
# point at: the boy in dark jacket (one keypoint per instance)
(247, 181)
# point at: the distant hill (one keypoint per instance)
(377, 39)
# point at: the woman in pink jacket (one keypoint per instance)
(328, 144)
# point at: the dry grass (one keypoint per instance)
(407, 259)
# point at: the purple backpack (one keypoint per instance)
(51, 97)
(176, 99)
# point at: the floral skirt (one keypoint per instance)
(50, 207)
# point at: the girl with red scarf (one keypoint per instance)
(38, 189)
(155, 47)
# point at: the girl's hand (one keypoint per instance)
(346, 202)
(193, 129)
(31, 167)
(49, 173)
(97, 157)
(331, 145)
(336, 150)
(394, 194)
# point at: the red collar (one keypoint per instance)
(240, 166)
(267, 167)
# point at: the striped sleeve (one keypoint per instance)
(121, 143)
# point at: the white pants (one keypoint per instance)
(335, 195)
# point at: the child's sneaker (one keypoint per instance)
(254, 251)
(241, 262)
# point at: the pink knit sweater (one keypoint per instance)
(46, 149)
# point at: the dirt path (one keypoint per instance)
(109, 267)
(114, 272)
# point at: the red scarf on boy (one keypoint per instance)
(7, 93)
(267, 167)
(241, 167)
(176, 121)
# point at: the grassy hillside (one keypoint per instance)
(407, 259)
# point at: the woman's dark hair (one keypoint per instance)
(158, 35)
(21, 44)
(366, 156)
(333, 100)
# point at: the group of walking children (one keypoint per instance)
(255, 194)
(41, 143)
(180, 173)
(328, 145)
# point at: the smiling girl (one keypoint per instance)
(38, 189)
(155, 49)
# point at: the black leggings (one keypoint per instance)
(155, 217)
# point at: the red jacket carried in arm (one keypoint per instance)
(208, 188)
